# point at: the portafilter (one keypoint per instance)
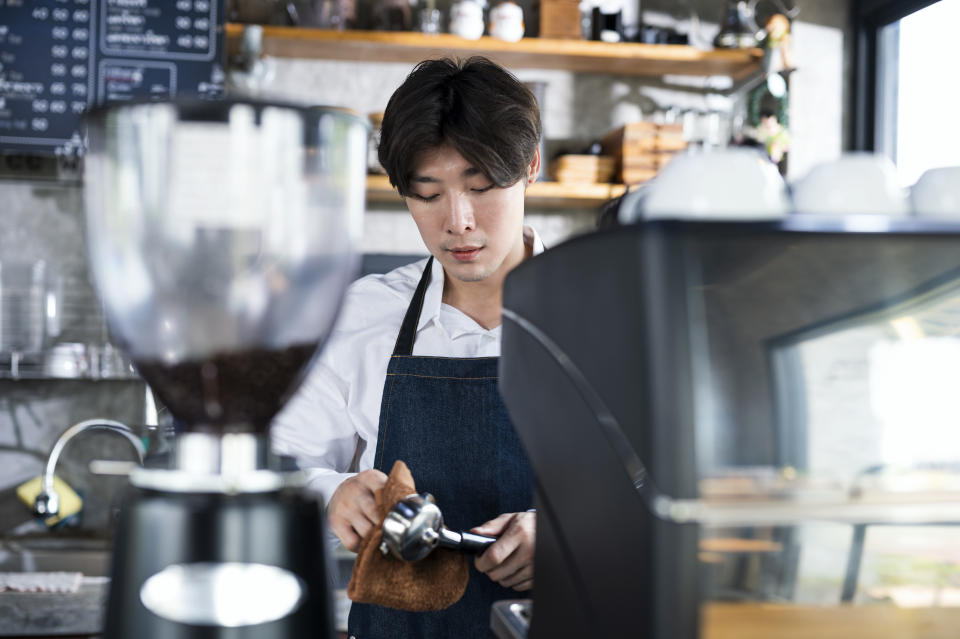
(414, 527)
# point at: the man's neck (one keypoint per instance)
(482, 301)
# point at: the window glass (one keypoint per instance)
(918, 125)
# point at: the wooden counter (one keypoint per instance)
(775, 621)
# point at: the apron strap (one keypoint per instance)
(408, 330)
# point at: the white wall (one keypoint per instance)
(816, 97)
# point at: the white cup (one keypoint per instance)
(937, 193)
(728, 184)
(853, 184)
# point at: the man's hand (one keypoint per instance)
(509, 560)
(352, 510)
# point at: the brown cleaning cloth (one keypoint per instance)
(435, 582)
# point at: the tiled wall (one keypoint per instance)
(43, 221)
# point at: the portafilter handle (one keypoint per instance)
(465, 541)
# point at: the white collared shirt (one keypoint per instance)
(338, 405)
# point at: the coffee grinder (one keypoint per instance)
(221, 236)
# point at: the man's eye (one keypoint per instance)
(484, 189)
(423, 198)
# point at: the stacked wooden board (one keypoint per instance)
(583, 169)
(641, 149)
(560, 19)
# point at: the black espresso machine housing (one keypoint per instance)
(639, 360)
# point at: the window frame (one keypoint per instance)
(870, 17)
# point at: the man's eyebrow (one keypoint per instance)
(427, 179)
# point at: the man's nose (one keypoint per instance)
(460, 217)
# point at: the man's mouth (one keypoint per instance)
(465, 253)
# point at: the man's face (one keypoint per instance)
(473, 227)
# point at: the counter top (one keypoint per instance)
(787, 621)
(81, 614)
(48, 613)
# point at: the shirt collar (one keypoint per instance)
(433, 297)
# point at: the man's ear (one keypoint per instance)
(534, 171)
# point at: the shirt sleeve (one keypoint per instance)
(315, 428)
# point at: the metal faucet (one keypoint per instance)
(47, 503)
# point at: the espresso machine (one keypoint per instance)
(222, 237)
(767, 408)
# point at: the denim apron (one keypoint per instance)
(444, 418)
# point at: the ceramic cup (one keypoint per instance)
(937, 194)
(854, 184)
(728, 184)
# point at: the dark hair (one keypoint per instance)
(476, 106)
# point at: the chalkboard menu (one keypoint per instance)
(59, 57)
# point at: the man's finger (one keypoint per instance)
(362, 526)
(496, 553)
(495, 526)
(368, 508)
(346, 535)
(524, 586)
(513, 564)
(372, 479)
(524, 574)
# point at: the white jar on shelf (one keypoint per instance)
(506, 21)
(466, 19)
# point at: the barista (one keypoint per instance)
(410, 371)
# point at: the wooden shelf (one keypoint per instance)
(549, 195)
(540, 53)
